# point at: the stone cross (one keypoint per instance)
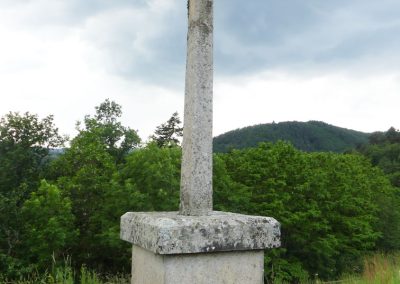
(198, 245)
(196, 177)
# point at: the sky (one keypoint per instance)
(274, 60)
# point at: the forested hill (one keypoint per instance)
(308, 136)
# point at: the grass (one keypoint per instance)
(378, 269)
(65, 275)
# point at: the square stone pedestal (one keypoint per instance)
(201, 268)
(169, 248)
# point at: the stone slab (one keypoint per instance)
(240, 267)
(171, 233)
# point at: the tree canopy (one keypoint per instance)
(383, 150)
(311, 136)
(25, 140)
(105, 126)
(334, 208)
(169, 133)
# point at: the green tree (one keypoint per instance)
(326, 203)
(155, 173)
(169, 133)
(151, 181)
(105, 126)
(384, 151)
(25, 141)
(228, 195)
(48, 229)
(393, 135)
(86, 173)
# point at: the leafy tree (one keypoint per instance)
(147, 181)
(389, 221)
(168, 134)
(377, 138)
(393, 135)
(333, 207)
(86, 174)
(48, 231)
(384, 151)
(119, 140)
(326, 203)
(25, 141)
(151, 181)
(155, 173)
(228, 195)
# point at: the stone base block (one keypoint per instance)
(238, 267)
(171, 233)
(219, 248)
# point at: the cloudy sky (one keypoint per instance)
(275, 60)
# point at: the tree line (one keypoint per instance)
(333, 208)
(311, 136)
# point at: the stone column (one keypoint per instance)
(197, 245)
(196, 181)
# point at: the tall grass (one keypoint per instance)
(378, 269)
(66, 275)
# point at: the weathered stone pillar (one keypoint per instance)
(198, 245)
(196, 181)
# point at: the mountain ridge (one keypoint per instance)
(310, 136)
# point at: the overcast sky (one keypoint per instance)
(275, 60)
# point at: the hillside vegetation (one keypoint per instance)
(334, 208)
(383, 150)
(309, 136)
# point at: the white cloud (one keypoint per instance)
(67, 74)
(362, 103)
(65, 57)
(128, 38)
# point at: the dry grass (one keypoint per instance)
(378, 269)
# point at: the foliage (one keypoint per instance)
(383, 150)
(154, 173)
(104, 126)
(151, 178)
(333, 208)
(28, 131)
(48, 230)
(85, 173)
(307, 136)
(65, 274)
(24, 144)
(228, 195)
(324, 201)
(169, 133)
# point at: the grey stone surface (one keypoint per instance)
(171, 233)
(196, 174)
(243, 267)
